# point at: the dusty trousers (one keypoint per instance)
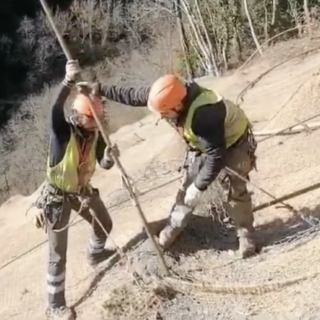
(241, 159)
(58, 241)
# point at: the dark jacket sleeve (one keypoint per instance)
(59, 126)
(104, 161)
(208, 126)
(128, 96)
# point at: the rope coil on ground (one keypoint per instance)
(252, 289)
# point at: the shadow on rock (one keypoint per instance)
(108, 264)
(202, 233)
(301, 227)
(205, 234)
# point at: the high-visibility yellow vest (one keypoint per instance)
(76, 168)
(235, 122)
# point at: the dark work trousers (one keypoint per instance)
(240, 159)
(58, 242)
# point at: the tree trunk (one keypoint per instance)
(273, 19)
(254, 36)
(266, 21)
(90, 22)
(182, 35)
(307, 16)
(236, 22)
(198, 37)
(196, 50)
(225, 55)
(108, 21)
(294, 14)
(213, 65)
(274, 11)
(170, 49)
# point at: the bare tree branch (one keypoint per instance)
(254, 36)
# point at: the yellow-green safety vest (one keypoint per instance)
(235, 122)
(69, 175)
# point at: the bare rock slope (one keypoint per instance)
(280, 283)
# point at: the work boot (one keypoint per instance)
(168, 235)
(247, 247)
(61, 313)
(96, 258)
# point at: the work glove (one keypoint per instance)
(88, 88)
(112, 151)
(38, 219)
(192, 196)
(72, 70)
(108, 157)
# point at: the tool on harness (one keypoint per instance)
(38, 219)
(53, 200)
(38, 216)
(253, 146)
(53, 212)
(50, 207)
(54, 209)
(189, 158)
(84, 205)
(248, 137)
(183, 165)
(50, 204)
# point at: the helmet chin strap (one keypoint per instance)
(71, 120)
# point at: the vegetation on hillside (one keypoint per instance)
(121, 42)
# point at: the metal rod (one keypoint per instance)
(288, 128)
(55, 29)
(286, 197)
(288, 206)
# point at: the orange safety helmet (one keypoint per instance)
(166, 94)
(81, 104)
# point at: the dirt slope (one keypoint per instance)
(26, 276)
(151, 155)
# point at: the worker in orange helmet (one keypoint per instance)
(75, 147)
(218, 134)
